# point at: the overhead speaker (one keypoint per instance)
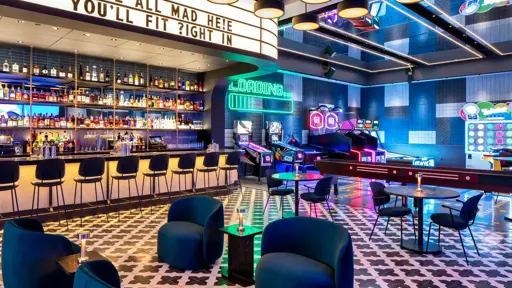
(330, 73)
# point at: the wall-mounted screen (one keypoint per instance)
(485, 136)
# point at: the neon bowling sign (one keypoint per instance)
(316, 120)
(331, 121)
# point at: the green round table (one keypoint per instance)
(297, 178)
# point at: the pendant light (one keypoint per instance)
(306, 21)
(315, 1)
(269, 9)
(352, 8)
(223, 2)
(408, 1)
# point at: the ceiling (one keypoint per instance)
(42, 36)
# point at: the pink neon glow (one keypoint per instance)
(316, 120)
(358, 154)
(331, 121)
(373, 154)
(385, 152)
(499, 140)
(499, 133)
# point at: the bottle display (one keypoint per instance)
(5, 67)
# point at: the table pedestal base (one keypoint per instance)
(508, 219)
(240, 260)
(414, 246)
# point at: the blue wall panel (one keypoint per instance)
(422, 106)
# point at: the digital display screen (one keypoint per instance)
(275, 128)
(485, 136)
(275, 138)
(243, 127)
(360, 124)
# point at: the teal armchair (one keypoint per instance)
(97, 274)
(29, 256)
(305, 252)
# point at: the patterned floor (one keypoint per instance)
(131, 243)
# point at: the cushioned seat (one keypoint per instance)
(182, 171)
(124, 176)
(293, 270)
(155, 173)
(445, 220)
(207, 169)
(97, 274)
(394, 211)
(281, 192)
(47, 183)
(5, 187)
(191, 239)
(312, 197)
(228, 167)
(88, 180)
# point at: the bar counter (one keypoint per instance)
(28, 167)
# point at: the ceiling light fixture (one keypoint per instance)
(55, 28)
(87, 34)
(269, 9)
(408, 1)
(113, 39)
(223, 2)
(350, 9)
(19, 41)
(306, 21)
(162, 48)
(139, 44)
(315, 1)
(20, 21)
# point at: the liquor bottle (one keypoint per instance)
(166, 83)
(130, 79)
(187, 85)
(12, 95)
(102, 75)
(172, 85)
(35, 95)
(81, 72)
(183, 84)
(136, 79)
(5, 68)
(52, 121)
(179, 83)
(25, 68)
(196, 86)
(36, 69)
(45, 71)
(94, 74)
(201, 86)
(142, 79)
(70, 73)
(26, 121)
(5, 92)
(15, 68)
(53, 72)
(125, 79)
(150, 81)
(18, 94)
(155, 83)
(107, 76)
(65, 97)
(87, 74)
(25, 96)
(62, 73)
(161, 83)
(118, 80)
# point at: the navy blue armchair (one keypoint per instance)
(191, 239)
(305, 252)
(28, 256)
(97, 274)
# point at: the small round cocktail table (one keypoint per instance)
(297, 178)
(419, 246)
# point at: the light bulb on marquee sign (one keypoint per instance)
(226, 25)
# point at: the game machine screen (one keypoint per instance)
(242, 132)
(283, 152)
(255, 156)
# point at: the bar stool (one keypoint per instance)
(49, 174)
(232, 162)
(186, 166)
(210, 164)
(127, 169)
(9, 176)
(90, 171)
(158, 166)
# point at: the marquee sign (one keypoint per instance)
(226, 25)
(486, 111)
(481, 6)
(260, 97)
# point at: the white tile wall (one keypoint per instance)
(489, 88)
(305, 134)
(400, 45)
(396, 95)
(448, 110)
(422, 137)
(493, 31)
(354, 52)
(354, 96)
(293, 84)
(228, 138)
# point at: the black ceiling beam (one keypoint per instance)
(288, 21)
(449, 28)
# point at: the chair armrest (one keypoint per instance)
(451, 208)
(458, 200)
(213, 239)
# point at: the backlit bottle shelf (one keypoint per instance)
(11, 76)
(173, 91)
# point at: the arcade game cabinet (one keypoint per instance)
(286, 154)
(365, 143)
(255, 156)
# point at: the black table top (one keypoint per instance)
(70, 263)
(428, 192)
(248, 231)
(109, 157)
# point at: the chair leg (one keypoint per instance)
(282, 208)
(118, 202)
(37, 211)
(74, 198)
(428, 237)
(471, 233)
(104, 200)
(138, 195)
(185, 182)
(17, 204)
(497, 196)
(375, 224)
(439, 237)
(316, 214)
(130, 193)
(143, 180)
(111, 190)
(463, 249)
(81, 201)
(33, 200)
(204, 181)
(329, 209)
(167, 185)
(64, 205)
(268, 199)
(12, 200)
(386, 231)
(96, 194)
(414, 227)
(401, 230)
(58, 204)
(150, 195)
(170, 187)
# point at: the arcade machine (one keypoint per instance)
(367, 144)
(311, 153)
(286, 154)
(255, 156)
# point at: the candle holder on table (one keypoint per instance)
(82, 236)
(241, 211)
(419, 176)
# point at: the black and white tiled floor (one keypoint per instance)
(131, 243)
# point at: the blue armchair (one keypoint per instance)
(191, 239)
(28, 256)
(305, 252)
(97, 274)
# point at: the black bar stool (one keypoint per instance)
(49, 174)
(9, 176)
(186, 166)
(127, 169)
(90, 171)
(210, 164)
(232, 162)
(158, 166)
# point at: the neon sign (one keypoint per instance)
(316, 120)
(331, 121)
(424, 162)
(480, 6)
(252, 96)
